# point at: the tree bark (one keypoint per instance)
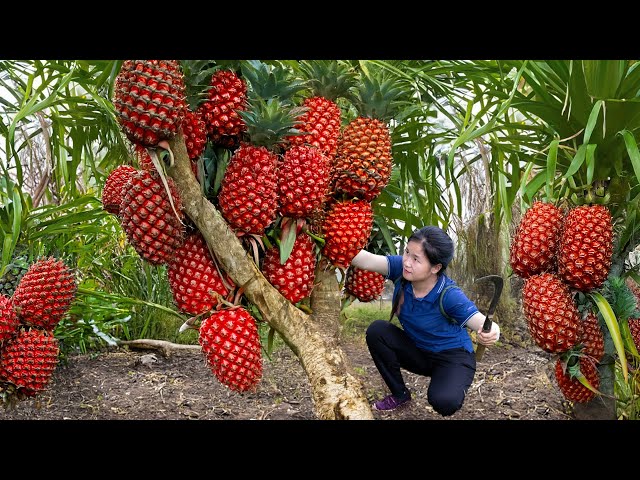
(337, 394)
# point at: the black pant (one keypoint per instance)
(451, 371)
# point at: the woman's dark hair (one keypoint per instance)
(437, 245)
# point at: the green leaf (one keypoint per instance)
(17, 215)
(577, 161)
(591, 123)
(552, 159)
(6, 251)
(603, 77)
(287, 240)
(632, 150)
(612, 324)
(127, 300)
(270, 337)
(635, 276)
(534, 186)
(631, 84)
(591, 162)
(583, 380)
(628, 338)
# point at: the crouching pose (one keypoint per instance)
(433, 340)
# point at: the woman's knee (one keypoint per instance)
(445, 403)
(376, 329)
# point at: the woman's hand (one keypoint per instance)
(490, 337)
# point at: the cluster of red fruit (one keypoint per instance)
(151, 107)
(556, 252)
(28, 348)
(300, 168)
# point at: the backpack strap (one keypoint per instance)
(445, 314)
(397, 304)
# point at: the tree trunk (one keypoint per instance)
(314, 339)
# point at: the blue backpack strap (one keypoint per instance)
(445, 314)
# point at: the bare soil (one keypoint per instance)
(512, 382)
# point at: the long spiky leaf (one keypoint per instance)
(612, 324)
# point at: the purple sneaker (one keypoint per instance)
(391, 403)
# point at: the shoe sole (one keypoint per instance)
(405, 404)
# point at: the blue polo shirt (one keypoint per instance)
(421, 318)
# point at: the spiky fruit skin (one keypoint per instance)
(303, 181)
(231, 345)
(346, 229)
(248, 196)
(195, 134)
(363, 163)
(114, 185)
(13, 274)
(551, 313)
(319, 125)
(149, 100)
(294, 279)
(29, 359)
(45, 293)
(8, 319)
(366, 286)
(144, 159)
(148, 219)
(634, 328)
(586, 246)
(592, 337)
(227, 95)
(571, 388)
(193, 276)
(534, 246)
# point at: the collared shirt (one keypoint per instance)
(422, 319)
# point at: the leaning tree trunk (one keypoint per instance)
(336, 392)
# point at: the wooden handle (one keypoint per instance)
(486, 327)
(480, 351)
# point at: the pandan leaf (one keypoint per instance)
(632, 150)
(270, 337)
(591, 162)
(552, 158)
(305, 308)
(287, 239)
(628, 338)
(318, 240)
(126, 300)
(534, 186)
(603, 77)
(583, 380)
(591, 122)
(612, 324)
(163, 177)
(635, 276)
(17, 216)
(576, 163)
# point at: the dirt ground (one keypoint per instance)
(512, 382)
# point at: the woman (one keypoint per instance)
(428, 344)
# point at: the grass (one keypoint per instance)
(358, 316)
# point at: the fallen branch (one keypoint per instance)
(166, 348)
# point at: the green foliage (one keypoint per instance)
(355, 318)
(532, 128)
(627, 392)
